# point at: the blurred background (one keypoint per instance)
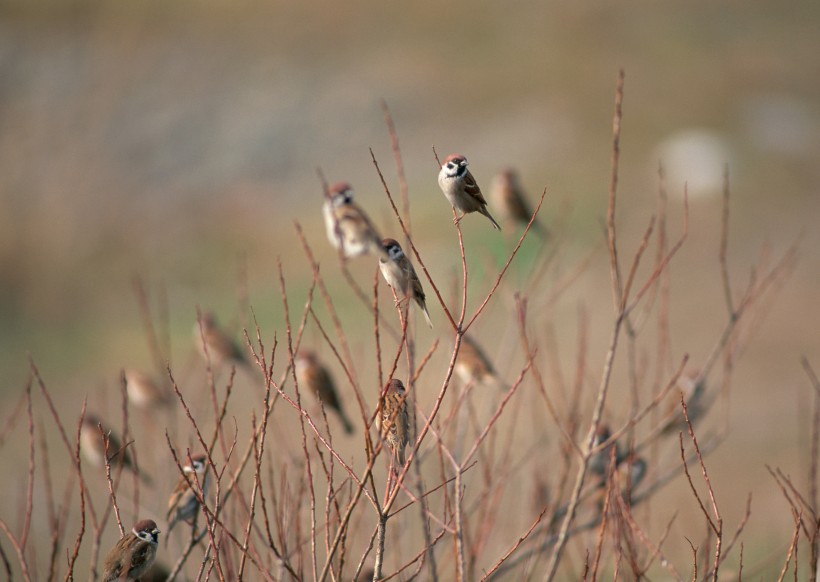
(178, 141)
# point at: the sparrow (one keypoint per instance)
(460, 188)
(221, 349)
(143, 392)
(348, 227)
(133, 555)
(508, 198)
(399, 273)
(393, 422)
(183, 504)
(473, 366)
(93, 447)
(311, 373)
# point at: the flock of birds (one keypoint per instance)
(352, 234)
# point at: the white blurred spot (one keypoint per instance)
(696, 157)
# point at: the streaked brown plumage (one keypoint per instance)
(473, 365)
(393, 421)
(183, 504)
(347, 226)
(133, 555)
(508, 198)
(221, 349)
(314, 376)
(399, 273)
(461, 189)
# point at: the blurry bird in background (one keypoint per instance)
(692, 385)
(508, 199)
(93, 447)
(474, 367)
(348, 227)
(143, 391)
(216, 345)
(399, 273)
(313, 375)
(460, 188)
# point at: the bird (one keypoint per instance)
(393, 422)
(311, 373)
(183, 504)
(133, 555)
(348, 227)
(216, 345)
(143, 391)
(473, 365)
(460, 188)
(399, 273)
(507, 196)
(93, 446)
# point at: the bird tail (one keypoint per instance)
(346, 424)
(486, 213)
(426, 315)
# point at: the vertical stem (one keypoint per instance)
(381, 531)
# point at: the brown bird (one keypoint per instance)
(627, 476)
(393, 421)
(461, 189)
(399, 273)
(143, 392)
(311, 373)
(183, 504)
(93, 446)
(508, 198)
(133, 555)
(348, 227)
(221, 349)
(473, 366)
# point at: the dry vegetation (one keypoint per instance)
(551, 477)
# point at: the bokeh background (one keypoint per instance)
(178, 141)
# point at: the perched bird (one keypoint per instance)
(143, 392)
(215, 344)
(393, 421)
(93, 446)
(183, 503)
(133, 555)
(473, 366)
(311, 373)
(399, 273)
(508, 198)
(460, 188)
(348, 227)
